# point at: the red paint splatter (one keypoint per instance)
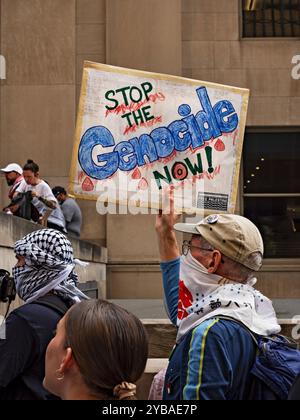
(196, 150)
(213, 174)
(169, 158)
(87, 185)
(136, 174)
(143, 184)
(207, 175)
(133, 128)
(217, 170)
(219, 146)
(80, 176)
(185, 300)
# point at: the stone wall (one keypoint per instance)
(214, 50)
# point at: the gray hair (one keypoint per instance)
(238, 272)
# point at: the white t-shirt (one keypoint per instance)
(43, 190)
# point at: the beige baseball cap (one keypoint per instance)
(235, 236)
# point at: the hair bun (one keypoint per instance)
(29, 161)
(124, 390)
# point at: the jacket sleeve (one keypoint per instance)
(209, 373)
(170, 272)
(18, 346)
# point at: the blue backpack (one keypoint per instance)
(276, 367)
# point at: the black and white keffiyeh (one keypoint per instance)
(49, 265)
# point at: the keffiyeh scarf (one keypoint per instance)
(49, 266)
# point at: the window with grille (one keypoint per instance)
(271, 18)
(272, 190)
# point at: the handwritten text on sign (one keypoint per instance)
(167, 130)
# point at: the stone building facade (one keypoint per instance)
(45, 42)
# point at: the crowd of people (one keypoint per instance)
(31, 198)
(99, 350)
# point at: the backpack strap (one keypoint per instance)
(254, 338)
(54, 302)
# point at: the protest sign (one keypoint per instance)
(138, 133)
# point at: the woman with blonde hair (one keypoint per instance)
(99, 352)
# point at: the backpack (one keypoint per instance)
(21, 206)
(294, 394)
(276, 366)
(54, 302)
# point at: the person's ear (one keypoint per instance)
(214, 262)
(68, 361)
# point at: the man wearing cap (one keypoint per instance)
(14, 177)
(71, 211)
(210, 297)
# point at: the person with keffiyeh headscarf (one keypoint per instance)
(45, 280)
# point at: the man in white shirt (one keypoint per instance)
(43, 198)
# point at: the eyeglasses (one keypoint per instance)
(187, 245)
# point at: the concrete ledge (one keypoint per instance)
(13, 228)
(155, 365)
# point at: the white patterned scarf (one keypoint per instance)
(203, 296)
(49, 265)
